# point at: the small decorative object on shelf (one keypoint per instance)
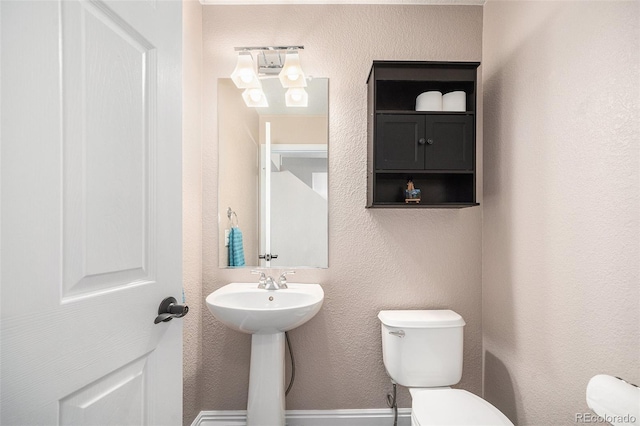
(411, 194)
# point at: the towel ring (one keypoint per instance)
(230, 215)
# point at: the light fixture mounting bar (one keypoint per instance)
(267, 48)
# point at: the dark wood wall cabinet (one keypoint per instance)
(434, 149)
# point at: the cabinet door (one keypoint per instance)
(398, 144)
(449, 142)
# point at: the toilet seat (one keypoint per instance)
(446, 406)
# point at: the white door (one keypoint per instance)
(91, 212)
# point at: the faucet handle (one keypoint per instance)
(282, 281)
(262, 281)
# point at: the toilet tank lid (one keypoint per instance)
(440, 318)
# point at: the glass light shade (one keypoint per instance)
(244, 76)
(255, 97)
(291, 74)
(297, 97)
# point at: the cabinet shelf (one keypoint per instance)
(436, 187)
(397, 111)
(422, 205)
(424, 172)
(434, 149)
(401, 95)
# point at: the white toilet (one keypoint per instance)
(422, 350)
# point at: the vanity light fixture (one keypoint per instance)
(245, 76)
(291, 74)
(255, 97)
(297, 97)
(281, 61)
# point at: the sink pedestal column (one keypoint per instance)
(265, 405)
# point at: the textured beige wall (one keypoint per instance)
(378, 258)
(192, 205)
(561, 203)
(238, 144)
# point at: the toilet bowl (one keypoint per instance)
(422, 350)
(446, 406)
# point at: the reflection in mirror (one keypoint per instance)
(280, 209)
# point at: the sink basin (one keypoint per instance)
(246, 308)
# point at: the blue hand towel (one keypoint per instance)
(236, 250)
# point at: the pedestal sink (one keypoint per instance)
(266, 315)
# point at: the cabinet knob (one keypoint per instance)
(422, 141)
(429, 141)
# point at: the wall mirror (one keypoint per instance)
(272, 175)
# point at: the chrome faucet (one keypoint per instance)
(268, 283)
(262, 281)
(282, 281)
(271, 284)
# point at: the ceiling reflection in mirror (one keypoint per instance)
(273, 174)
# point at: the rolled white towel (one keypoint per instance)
(454, 101)
(615, 400)
(429, 101)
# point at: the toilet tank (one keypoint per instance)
(422, 348)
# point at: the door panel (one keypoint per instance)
(103, 401)
(106, 176)
(397, 142)
(449, 142)
(91, 212)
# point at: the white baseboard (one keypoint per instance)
(369, 417)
